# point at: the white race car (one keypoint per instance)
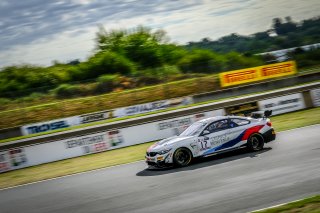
(211, 136)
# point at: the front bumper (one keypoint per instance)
(158, 161)
(269, 135)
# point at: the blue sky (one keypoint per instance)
(40, 31)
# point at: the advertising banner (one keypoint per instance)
(153, 106)
(50, 125)
(103, 115)
(12, 159)
(253, 74)
(95, 143)
(73, 147)
(315, 96)
(98, 116)
(283, 104)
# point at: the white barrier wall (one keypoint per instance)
(315, 96)
(283, 104)
(113, 139)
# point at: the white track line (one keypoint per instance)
(109, 167)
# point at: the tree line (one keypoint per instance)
(282, 35)
(133, 58)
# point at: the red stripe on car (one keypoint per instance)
(250, 131)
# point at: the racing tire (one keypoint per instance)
(255, 142)
(182, 157)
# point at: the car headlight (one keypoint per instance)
(165, 151)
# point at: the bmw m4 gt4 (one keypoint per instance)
(212, 136)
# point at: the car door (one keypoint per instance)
(237, 128)
(213, 137)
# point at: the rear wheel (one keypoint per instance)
(255, 142)
(182, 157)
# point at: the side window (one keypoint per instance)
(217, 126)
(238, 122)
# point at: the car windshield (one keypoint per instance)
(194, 129)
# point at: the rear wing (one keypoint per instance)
(261, 114)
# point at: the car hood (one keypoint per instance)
(167, 143)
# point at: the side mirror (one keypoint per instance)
(205, 132)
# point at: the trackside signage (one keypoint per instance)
(283, 104)
(98, 142)
(315, 95)
(152, 106)
(98, 116)
(103, 115)
(253, 74)
(50, 125)
(13, 159)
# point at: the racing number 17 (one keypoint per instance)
(203, 144)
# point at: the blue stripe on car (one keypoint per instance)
(225, 145)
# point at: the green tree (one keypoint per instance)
(289, 34)
(106, 63)
(201, 61)
(140, 45)
(235, 61)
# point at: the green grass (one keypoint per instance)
(296, 119)
(129, 154)
(308, 205)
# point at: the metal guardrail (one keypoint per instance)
(157, 117)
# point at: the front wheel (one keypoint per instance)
(255, 142)
(182, 157)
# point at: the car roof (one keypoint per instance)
(216, 118)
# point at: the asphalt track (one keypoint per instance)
(286, 170)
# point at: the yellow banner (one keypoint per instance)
(257, 73)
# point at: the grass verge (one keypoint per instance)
(129, 154)
(308, 205)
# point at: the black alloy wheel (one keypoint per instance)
(182, 157)
(255, 142)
